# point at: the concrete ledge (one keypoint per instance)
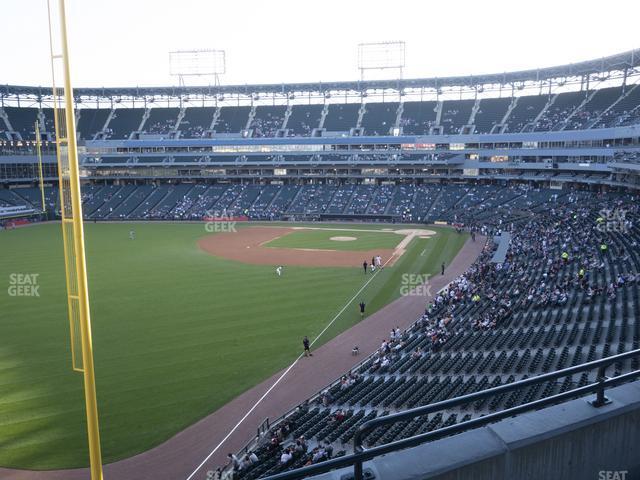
(570, 441)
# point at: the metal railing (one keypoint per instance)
(361, 454)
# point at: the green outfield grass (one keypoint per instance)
(321, 239)
(177, 333)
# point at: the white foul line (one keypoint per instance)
(282, 376)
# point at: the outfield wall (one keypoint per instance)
(570, 441)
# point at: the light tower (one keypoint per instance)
(202, 64)
(381, 56)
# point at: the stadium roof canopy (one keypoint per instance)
(626, 63)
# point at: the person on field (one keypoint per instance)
(132, 235)
(362, 306)
(442, 271)
(305, 344)
(365, 265)
(279, 270)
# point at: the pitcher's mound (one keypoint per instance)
(343, 239)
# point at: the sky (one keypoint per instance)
(126, 42)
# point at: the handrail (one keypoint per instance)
(482, 394)
(360, 454)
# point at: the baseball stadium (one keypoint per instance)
(406, 278)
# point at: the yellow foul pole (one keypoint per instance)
(73, 236)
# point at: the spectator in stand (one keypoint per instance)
(246, 462)
(233, 461)
(319, 454)
(328, 449)
(286, 457)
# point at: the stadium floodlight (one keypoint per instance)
(197, 63)
(381, 56)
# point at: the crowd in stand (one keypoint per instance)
(266, 127)
(583, 245)
(191, 131)
(475, 206)
(566, 112)
(162, 126)
(412, 125)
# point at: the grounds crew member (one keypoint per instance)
(307, 349)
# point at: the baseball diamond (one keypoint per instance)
(175, 280)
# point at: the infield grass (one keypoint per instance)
(177, 333)
(320, 239)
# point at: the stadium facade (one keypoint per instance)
(571, 126)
